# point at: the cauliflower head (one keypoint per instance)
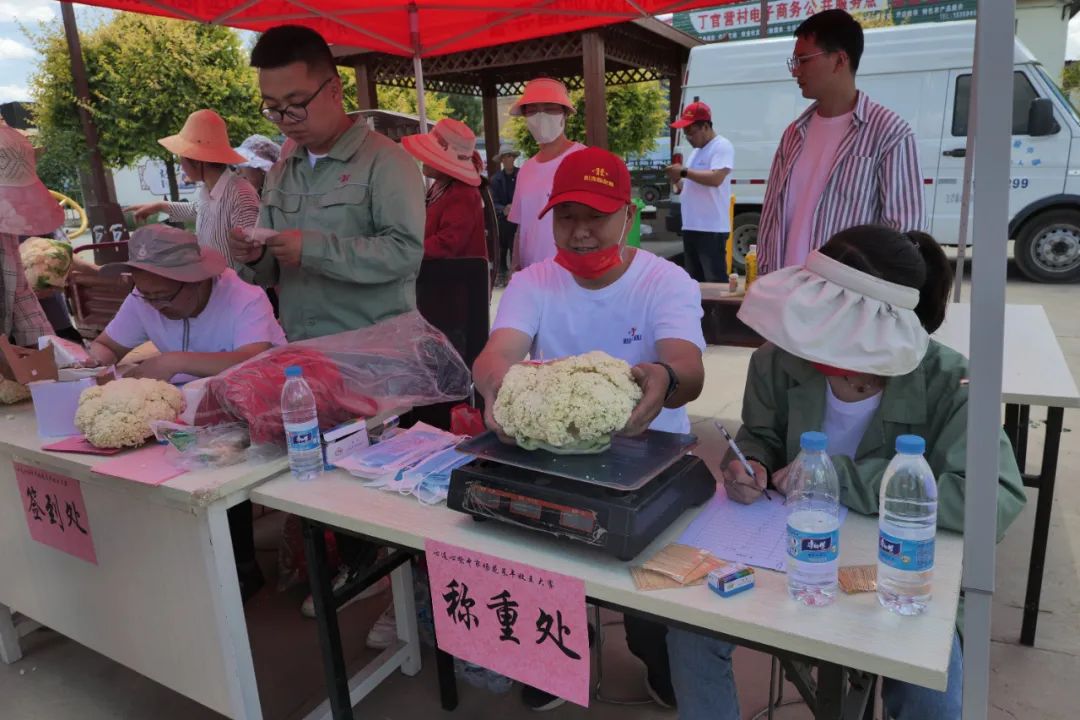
(12, 392)
(119, 413)
(571, 405)
(46, 262)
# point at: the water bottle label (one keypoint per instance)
(911, 555)
(302, 436)
(813, 547)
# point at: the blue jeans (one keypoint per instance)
(705, 684)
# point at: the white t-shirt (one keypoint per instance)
(536, 238)
(704, 208)
(654, 300)
(237, 314)
(808, 179)
(846, 422)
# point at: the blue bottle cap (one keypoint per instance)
(910, 445)
(814, 441)
(294, 371)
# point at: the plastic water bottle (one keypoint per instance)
(301, 420)
(813, 523)
(907, 523)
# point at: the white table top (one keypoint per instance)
(854, 631)
(1034, 370)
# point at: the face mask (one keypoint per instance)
(546, 127)
(590, 266)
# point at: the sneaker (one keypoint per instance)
(307, 609)
(665, 697)
(383, 633)
(538, 700)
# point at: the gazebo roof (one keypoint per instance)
(637, 51)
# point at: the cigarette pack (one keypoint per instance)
(731, 579)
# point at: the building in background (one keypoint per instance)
(1042, 25)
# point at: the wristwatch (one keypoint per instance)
(673, 381)
(683, 172)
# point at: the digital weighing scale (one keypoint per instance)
(618, 500)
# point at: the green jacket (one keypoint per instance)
(785, 397)
(361, 210)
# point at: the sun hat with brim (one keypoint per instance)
(505, 150)
(169, 252)
(26, 207)
(448, 148)
(543, 90)
(592, 177)
(260, 152)
(204, 137)
(829, 313)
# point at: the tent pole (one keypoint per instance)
(992, 100)
(418, 66)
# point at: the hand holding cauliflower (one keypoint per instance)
(573, 405)
(46, 262)
(119, 413)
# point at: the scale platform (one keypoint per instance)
(618, 500)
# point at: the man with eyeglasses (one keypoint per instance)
(846, 161)
(347, 203)
(198, 313)
(705, 186)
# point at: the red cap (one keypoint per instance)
(695, 112)
(592, 177)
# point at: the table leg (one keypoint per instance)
(1012, 429)
(326, 620)
(444, 664)
(1040, 537)
(405, 616)
(10, 648)
(1022, 436)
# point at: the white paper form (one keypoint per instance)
(754, 534)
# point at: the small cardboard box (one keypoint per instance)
(343, 440)
(55, 392)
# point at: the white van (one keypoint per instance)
(923, 72)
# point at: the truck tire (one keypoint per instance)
(1048, 247)
(650, 194)
(743, 236)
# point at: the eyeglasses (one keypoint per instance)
(296, 112)
(795, 61)
(158, 300)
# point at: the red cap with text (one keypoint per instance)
(592, 177)
(695, 112)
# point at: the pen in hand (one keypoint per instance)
(741, 457)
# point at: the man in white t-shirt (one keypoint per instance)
(705, 186)
(545, 105)
(598, 294)
(198, 313)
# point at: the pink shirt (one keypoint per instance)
(808, 179)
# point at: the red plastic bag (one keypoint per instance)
(466, 420)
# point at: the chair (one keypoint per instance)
(453, 295)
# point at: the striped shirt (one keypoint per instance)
(875, 179)
(21, 316)
(232, 203)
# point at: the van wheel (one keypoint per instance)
(1048, 247)
(743, 236)
(650, 194)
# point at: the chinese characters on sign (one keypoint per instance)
(742, 21)
(523, 622)
(55, 511)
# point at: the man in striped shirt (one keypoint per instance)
(846, 161)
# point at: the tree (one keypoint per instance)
(469, 109)
(146, 75)
(636, 113)
(1070, 77)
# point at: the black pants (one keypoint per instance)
(506, 243)
(242, 531)
(647, 640)
(705, 255)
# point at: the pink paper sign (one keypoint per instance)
(55, 511)
(526, 623)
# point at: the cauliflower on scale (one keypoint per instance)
(46, 262)
(571, 405)
(119, 413)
